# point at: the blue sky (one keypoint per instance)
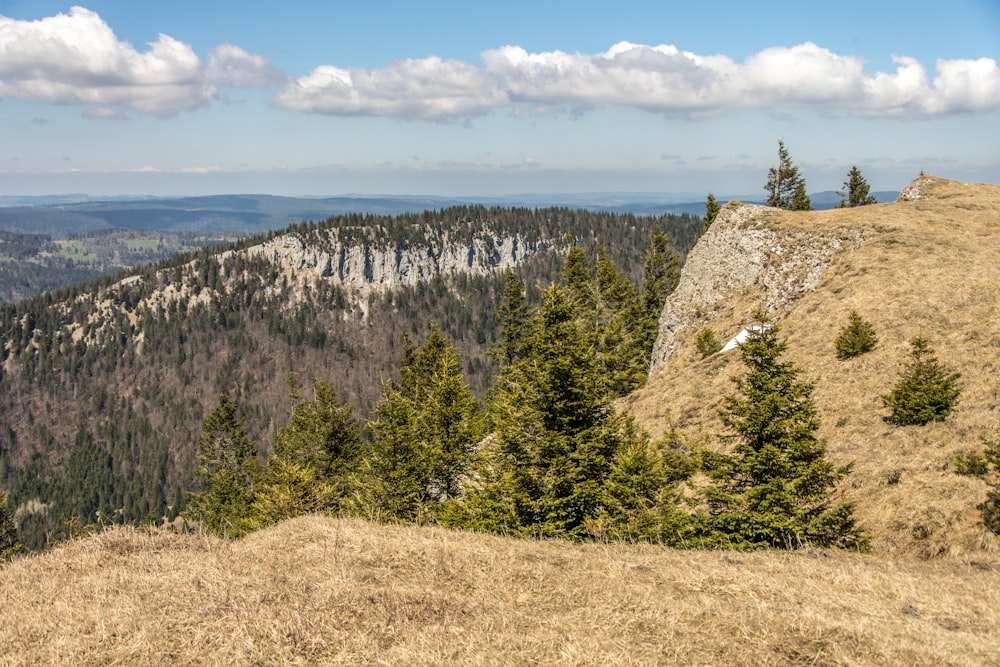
(466, 98)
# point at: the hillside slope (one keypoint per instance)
(327, 591)
(103, 387)
(925, 265)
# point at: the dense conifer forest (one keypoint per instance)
(105, 386)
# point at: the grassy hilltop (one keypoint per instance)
(318, 590)
(323, 590)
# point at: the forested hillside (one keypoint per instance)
(34, 263)
(105, 386)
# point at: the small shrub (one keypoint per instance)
(991, 507)
(707, 343)
(927, 390)
(857, 337)
(971, 462)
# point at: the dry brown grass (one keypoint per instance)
(326, 591)
(928, 267)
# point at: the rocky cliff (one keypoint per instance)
(744, 252)
(360, 267)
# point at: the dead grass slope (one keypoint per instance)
(929, 267)
(325, 591)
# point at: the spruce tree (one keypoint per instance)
(312, 459)
(640, 497)
(857, 337)
(661, 273)
(785, 187)
(621, 340)
(227, 473)
(773, 489)
(990, 508)
(554, 439)
(425, 430)
(926, 391)
(578, 277)
(856, 190)
(513, 314)
(712, 209)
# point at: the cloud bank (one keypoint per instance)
(661, 79)
(76, 58)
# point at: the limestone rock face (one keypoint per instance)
(739, 251)
(364, 266)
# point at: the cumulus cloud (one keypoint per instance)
(662, 79)
(76, 58)
(428, 88)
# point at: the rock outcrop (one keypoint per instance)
(743, 249)
(362, 267)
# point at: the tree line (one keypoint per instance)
(103, 386)
(545, 454)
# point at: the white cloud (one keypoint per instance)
(661, 79)
(230, 65)
(428, 88)
(76, 58)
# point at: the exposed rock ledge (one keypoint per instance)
(741, 250)
(366, 266)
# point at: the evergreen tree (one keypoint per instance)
(640, 497)
(227, 473)
(991, 506)
(9, 546)
(312, 460)
(785, 187)
(707, 343)
(621, 339)
(514, 313)
(578, 277)
(773, 490)
(712, 209)
(661, 273)
(857, 337)
(856, 190)
(555, 435)
(926, 391)
(424, 432)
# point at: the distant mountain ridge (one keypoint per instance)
(62, 215)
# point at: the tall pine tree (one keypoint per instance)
(785, 187)
(312, 459)
(661, 272)
(554, 435)
(712, 209)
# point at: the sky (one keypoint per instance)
(136, 97)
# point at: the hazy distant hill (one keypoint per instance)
(248, 214)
